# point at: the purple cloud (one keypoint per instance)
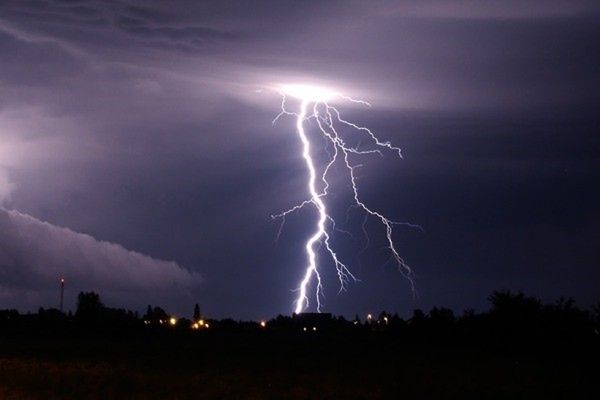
(34, 255)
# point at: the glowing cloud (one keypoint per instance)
(309, 93)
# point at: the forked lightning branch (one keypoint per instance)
(316, 104)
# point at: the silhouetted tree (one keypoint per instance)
(596, 313)
(514, 318)
(397, 324)
(514, 306)
(441, 316)
(155, 315)
(197, 314)
(89, 307)
(418, 317)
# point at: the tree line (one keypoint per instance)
(511, 318)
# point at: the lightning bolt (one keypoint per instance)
(315, 106)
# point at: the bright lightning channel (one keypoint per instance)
(315, 104)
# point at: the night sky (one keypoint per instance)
(138, 158)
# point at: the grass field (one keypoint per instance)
(254, 366)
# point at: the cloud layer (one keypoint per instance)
(148, 124)
(34, 255)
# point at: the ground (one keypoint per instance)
(270, 366)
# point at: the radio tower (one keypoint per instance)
(62, 292)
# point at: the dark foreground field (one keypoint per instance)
(270, 365)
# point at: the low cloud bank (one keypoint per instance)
(34, 255)
(5, 186)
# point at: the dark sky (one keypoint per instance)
(141, 132)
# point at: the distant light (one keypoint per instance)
(62, 280)
(263, 324)
(369, 317)
(304, 329)
(385, 319)
(173, 321)
(201, 322)
(207, 325)
(314, 328)
(195, 326)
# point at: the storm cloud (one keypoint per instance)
(148, 124)
(35, 255)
